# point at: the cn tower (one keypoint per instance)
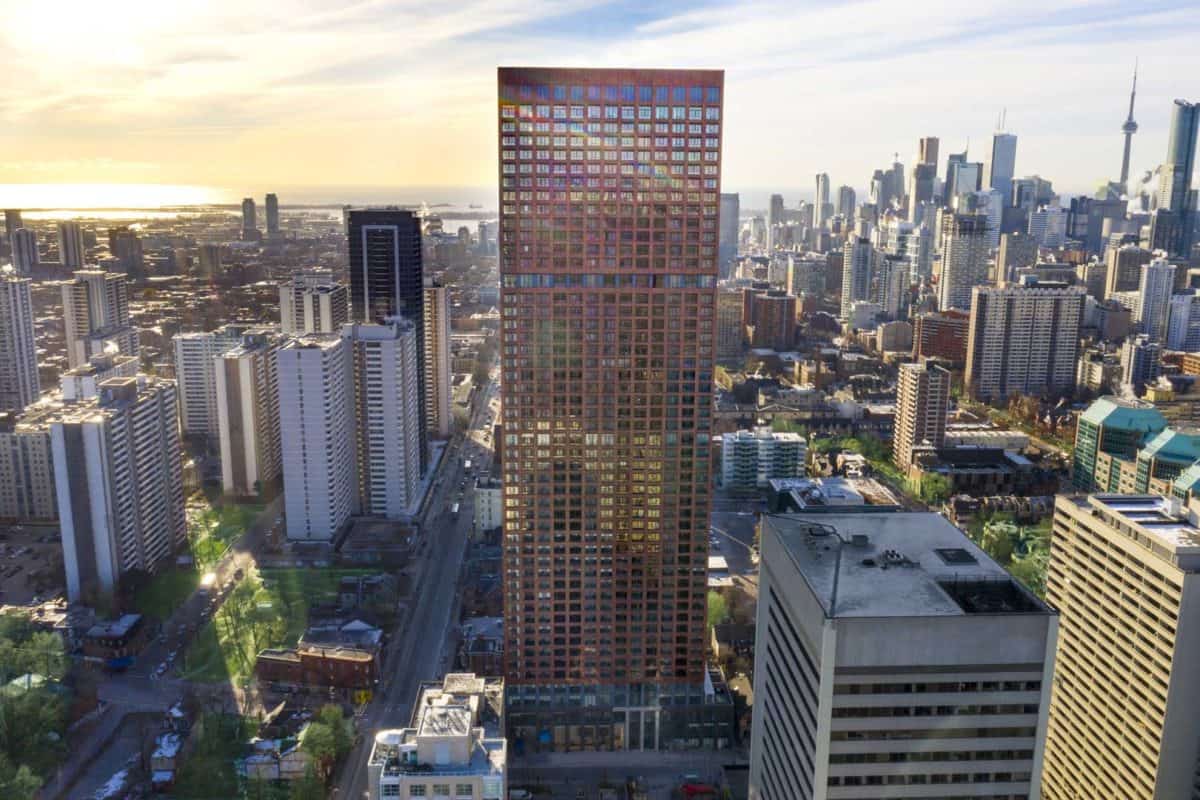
(1129, 128)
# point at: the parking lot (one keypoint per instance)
(30, 563)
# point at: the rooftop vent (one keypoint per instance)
(955, 556)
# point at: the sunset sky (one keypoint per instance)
(248, 96)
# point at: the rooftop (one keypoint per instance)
(904, 564)
(1164, 521)
(1125, 413)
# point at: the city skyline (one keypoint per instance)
(217, 100)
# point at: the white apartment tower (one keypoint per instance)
(317, 441)
(19, 384)
(96, 313)
(196, 372)
(247, 396)
(312, 302)
(964, 259)
(70, 244)
(26, 464)
(1023, 340)
(387, 412)
(1154, 298)
(1183, 326)
(1125, 577)
(437, 361)
(119, 481)
(894, 659)
(922, 399)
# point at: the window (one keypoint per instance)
(463, 790)
(441, 790)
(416, 790)
(389, 790)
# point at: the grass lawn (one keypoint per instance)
(225, 648)
(166, 591)
(211, 529)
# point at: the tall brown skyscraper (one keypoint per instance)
(609, 187)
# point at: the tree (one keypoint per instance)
(718, 609)
(935, 489)
(332, 716)
(320, 742)
(307, 788)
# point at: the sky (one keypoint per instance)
(248, 97)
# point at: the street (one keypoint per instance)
(415, 651)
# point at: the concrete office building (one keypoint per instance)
(1155, 288)
(25, 256)
(70, 244)
(247, 395)
(316, 414)
(894, 659)
(588, 659)
(964, 263)
(387, 425)
(1125, 268)
(454, 746)
(922, 400)
(387, 279)
(19, 385)
(96, 311)
(1023, 340)
(313, 302)
(1183, 324)
(196, 374)
(118, 477)
(751, 459)
(437, 375)
(27, 463)
(1124, 576)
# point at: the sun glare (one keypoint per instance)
(104, 195)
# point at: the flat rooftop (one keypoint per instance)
(904, 564)
(1162, 519)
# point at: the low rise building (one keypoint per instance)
(749, 459)
(311, 665)
(454, 746)
(488, 510)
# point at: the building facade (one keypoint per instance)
(1155, 287)
(1023, 341)
(27, 464)
(19, 384)
(922, 400)
(96, 314)
(1115, 427)
(247, 393)
(317, 445)
(1124, 576)
(437, 376)
(313, 302)
(941, 335)
(70, 244)
(750, 459)
(964, 262)
(196, 374)
(118, 478)
(894, 658)
(607, 379)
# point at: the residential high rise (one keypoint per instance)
(196, 374)
(84, 382)
(247, 394)
(1141, 362)
(210, 260)
(607, 376)
(249, 219)
(1048, 226)
(857, 258)
(894, 658)
(941, 335)
(19, 384)
(770, 318)
(964, 259)
(70, 244)
(386, 279)
(27, 464)
(96, 311)
(920, 191)
(1017, 250)
(317, 446)
(12, 222)
(1111, 427)
(1154, 298)
(1128, 128)
(1119, 723)
(727, 235)
(821, 199)
(922, 400)
(118, 476)
(846, 202)
(1175, 175)
(126, 246)
(438, 418)
(272, 215)
(752, 458)
(1125, 268)
(313, 302)
(25, 256)
(1002, 164)
(731, 333)
(774, 219)
(387, 429)
(1023, 340)
(1183, 326)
